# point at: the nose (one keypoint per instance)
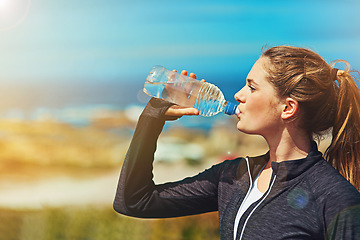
(240, 96)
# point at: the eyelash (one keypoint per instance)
(251, 88)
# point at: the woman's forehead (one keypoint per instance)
(257, 72)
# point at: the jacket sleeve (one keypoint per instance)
(346, 225)
(343, 212)
(138, 196)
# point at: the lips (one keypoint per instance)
(238, 112)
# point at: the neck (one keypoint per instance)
(289, 145)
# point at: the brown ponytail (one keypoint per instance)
(344, 150)
(329, 100)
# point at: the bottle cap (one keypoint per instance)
(231, 108)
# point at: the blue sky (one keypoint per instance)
(116, 40)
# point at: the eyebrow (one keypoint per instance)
(251, 81)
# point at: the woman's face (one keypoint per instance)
(259, 105)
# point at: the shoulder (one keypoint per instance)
(228, 165)
(337, 201)
(227, 168)
(329, 186)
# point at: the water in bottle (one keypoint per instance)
(187, 92)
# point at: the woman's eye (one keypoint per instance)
(251, 88)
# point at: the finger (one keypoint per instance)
(177, 111)
(184, 111)
(184, 72)
(192, 75)
(189, 111)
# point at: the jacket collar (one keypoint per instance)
(288, 170)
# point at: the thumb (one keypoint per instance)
(178, 111)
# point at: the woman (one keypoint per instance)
(291, 192)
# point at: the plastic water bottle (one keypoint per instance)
(187, 92)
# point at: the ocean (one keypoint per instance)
(75, 102)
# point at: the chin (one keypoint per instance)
(246, 130)
(242, 129)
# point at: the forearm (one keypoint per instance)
(136, 175)
(138, 196)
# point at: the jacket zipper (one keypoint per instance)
(243, 228)
(237, 220)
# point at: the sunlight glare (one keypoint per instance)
(3, 3)
(13, 13)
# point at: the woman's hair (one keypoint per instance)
(329, 100)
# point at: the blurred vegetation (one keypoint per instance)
(103, 145)
(50, 143)
(101, 224)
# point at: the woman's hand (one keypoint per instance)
(178, 111)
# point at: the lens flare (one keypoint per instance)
(298, 198)
(13, 13)
(3, 3)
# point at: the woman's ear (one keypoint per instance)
(291, 107)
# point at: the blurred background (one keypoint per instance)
(71, 79)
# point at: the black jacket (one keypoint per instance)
(307, 198)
